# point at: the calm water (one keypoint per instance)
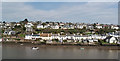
(25, 52)
(0, 51)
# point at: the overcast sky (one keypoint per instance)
(87, 12)
(60, 0)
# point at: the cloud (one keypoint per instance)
(88, 12)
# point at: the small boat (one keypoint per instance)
(21, 44)
(82, 48)
(35, 48)
(0, 39)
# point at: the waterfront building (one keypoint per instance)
(99, 26)
(9, 32)
(90, 27)
(55, 27)
(40, 26)
(114, 27)
(29, 29)
(111, 39)
(32, 37)
(81, 26)
(28, 25)
(68, 37)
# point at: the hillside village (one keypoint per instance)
(60, 32)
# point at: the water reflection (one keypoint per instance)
(0, 51)
(25, 52)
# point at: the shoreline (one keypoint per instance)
(61, 46)
(72, 44)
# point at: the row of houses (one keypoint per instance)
(47, 36)
(57, 25)
(73, 38)
(79, 26)
(68, 26)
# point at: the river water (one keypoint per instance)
(17, 51)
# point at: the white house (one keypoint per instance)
(55, 27)
(29, 25)
(18, 24)
(115, 34)
(97, 37)
(91, 40)
(32, 37)
(81, 26)
(90, 27)
(40, 26)
(0, 39)
(71, 27)
(29, 29)
(46, 26)
(111, 39)
(114, 27)
(1, 24)
(99, 26)
(7, 24)
(9, 33)
(41, 36)
(79, 37)
(62, 24)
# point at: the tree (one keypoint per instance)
(91, 31)
(26, 20)
(64, 40)
(4, 22)
(94, 25)
(55, 40)
(24, 28)
(43, 24)
(17, 26)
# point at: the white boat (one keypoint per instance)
(0, 39)
(82, 48)
(21, 44)
(35, 48)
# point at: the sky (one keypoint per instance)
(0, 11)
(60, 0)
(82, 12)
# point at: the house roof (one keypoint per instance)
(45, 35)
(35, 35)
(80, 36)
(111, 37)
(108, 37)
(55, 35)
(116, 38)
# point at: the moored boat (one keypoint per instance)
(82, 48)
(35, 48)
(0, 39)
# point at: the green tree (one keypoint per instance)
(56, 40)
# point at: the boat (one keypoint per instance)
(0, 39)
(82, 48)
(35, 48)
(21, 44)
